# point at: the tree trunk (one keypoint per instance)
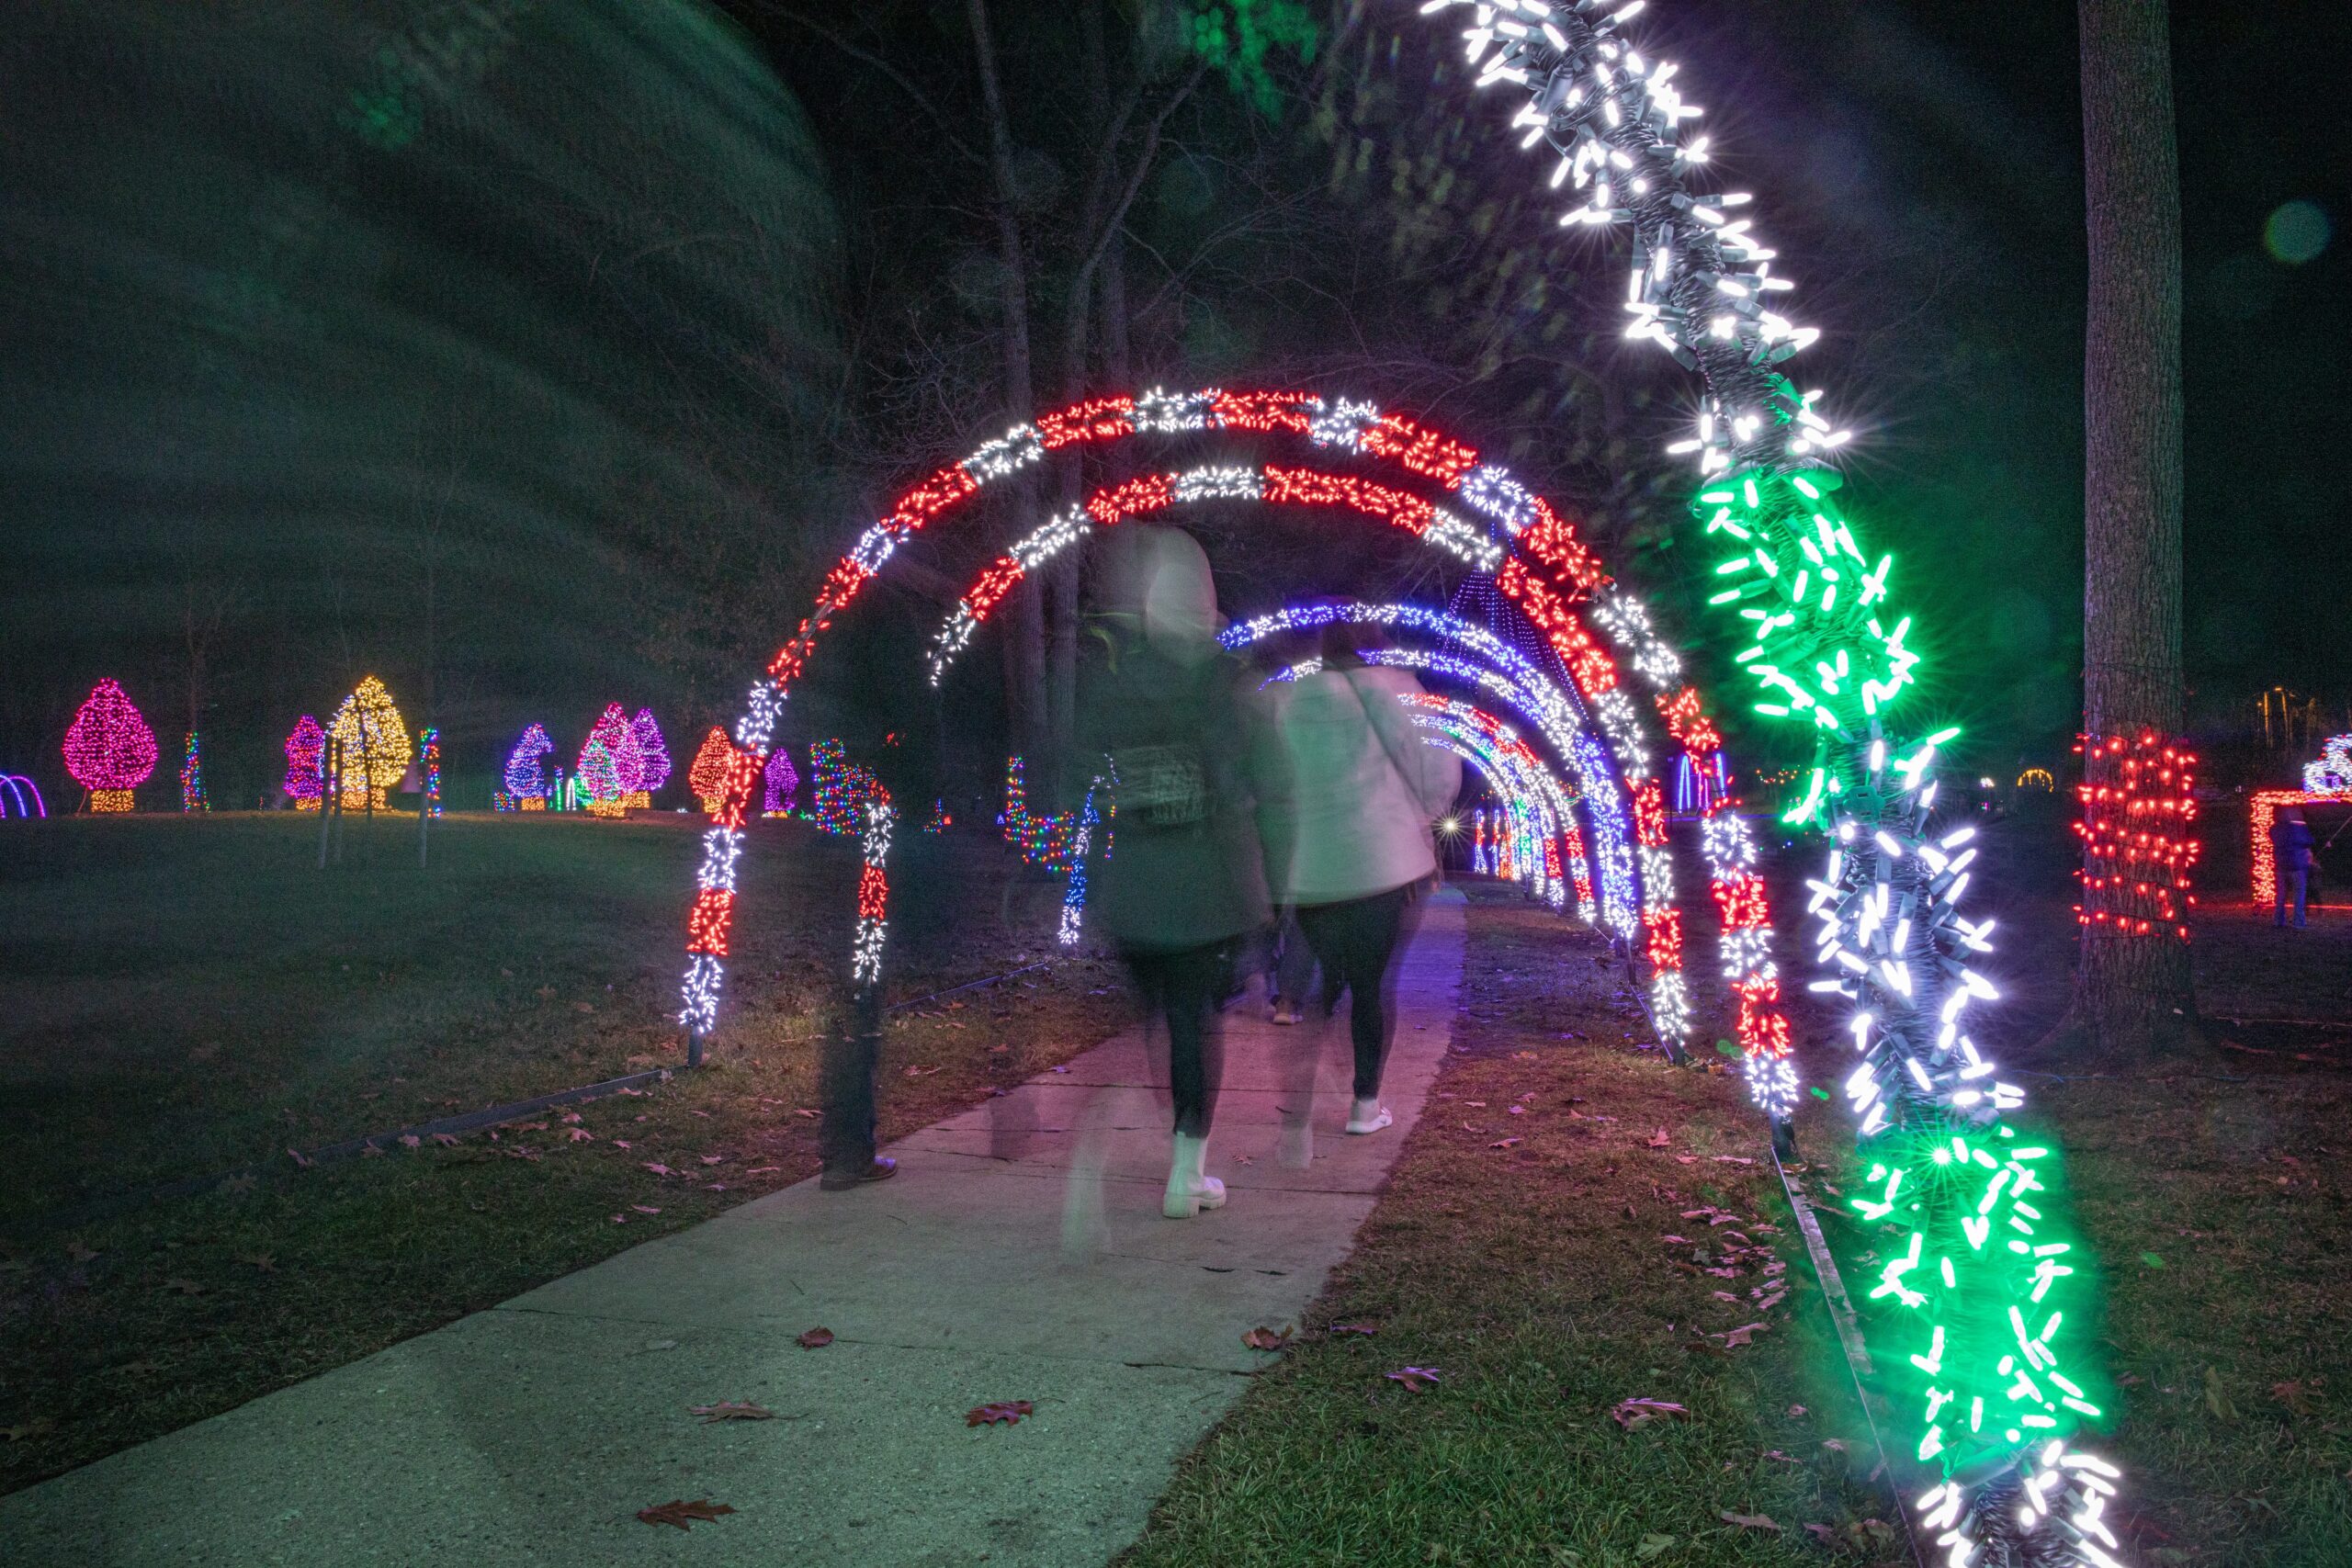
(1025, 628)
(2128, 988)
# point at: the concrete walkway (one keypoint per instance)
(532, 1433)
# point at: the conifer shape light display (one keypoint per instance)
(708, 774)
(783, 781)
(306, 758)
(524, 777)
(653, 760)
(619, 738)
(374, 741)
(192, 796)
(599, 780)
(109, 748)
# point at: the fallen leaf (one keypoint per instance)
(1686, 1159)
(917, 1071)
(1005, 1413)
(1506, 1143)
(620, 1219)
(657, 1167)
(369, 1151)
(446, 1140)
(545, 993)
(185, 1287)
(571, 1118)
(1821, 1533)
(804, 1110)
(765, 1170)
(2293, 1396)
(1744, 1334)
(1634, 1414)
(1419, 1378)
(1652, 1544)
(301, 1160)
(1748, 1521)
(732, 1410)
(29, 1429)
(816, 1339)
(1768, 1303)
(1723, 1295)
(1263, 1339)
(1677, 1240)
(712, 1159)
(410, 1141)
(583, 1007)
(2217, 1398)
(1366, 1328)
(1658, 1139)
(683, 1513)
(642, 1209)
(2152, 1260)
(620, 1142)
(1797, 1410)
(1834, 1445)
(1735, 1160)
(1784, 1459)
(581, 1135)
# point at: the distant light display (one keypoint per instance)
(526, 775)
(599, 779)
(708, 774)
(374, 741)
(624, 743)
(2325, 782)
(192, 796)
(2137, 846)
(783, 781)
(20, 797)
(650, 760)
(306, 758)
(110, 747)
(428, 759)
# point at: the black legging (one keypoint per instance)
(1353, 941)
(1183, 984)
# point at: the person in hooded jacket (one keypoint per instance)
(1185, 883)
(1352, 839)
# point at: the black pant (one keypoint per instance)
(1355, 942)
(847, 1066)
(1183, 984)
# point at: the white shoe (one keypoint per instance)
(1189, 1191)
(1368, 1116)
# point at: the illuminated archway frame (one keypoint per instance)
(1544, 568)
(1892, 937)
(1531, 791)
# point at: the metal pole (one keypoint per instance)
(326, 759)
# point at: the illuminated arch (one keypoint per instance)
(1537, 561)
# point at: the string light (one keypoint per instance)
(623, 743)
(192, 775)
(707, 775)
(1056, 842)
(373, 739)
(306, 755)
(109, 748)
(2137, 848)
(524, 776)
(2037, 778)
(2332, 774)
(837, 788)
(1829, 656)
(782, 783)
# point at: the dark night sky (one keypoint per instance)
(606, 284)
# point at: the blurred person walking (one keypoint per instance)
(1351, 842)
(2290, 849)
(1186, 884)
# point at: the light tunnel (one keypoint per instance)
(1621, 681)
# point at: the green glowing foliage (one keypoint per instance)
(1814, 602)
(1973, 1286)
(1235, 37)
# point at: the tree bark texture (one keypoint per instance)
(2127, 985)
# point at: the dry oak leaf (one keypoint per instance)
(1659, 1140)
(732, 1410)
(816, 1339)
(410, 1141)
(582, 1135)
(1745, 1334)
(712, 1159)
(1506, 1143)
(301, 1160)
(2293, 1396)
(1006, 1411)
(1634, 1414)
(657, 1167)
(643, 1209)
(446, 1140)
(1748, 1521)
(1263, 1339)
(1420, 1380)
(683, 1513)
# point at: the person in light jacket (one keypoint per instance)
(2290, 849)
(1349, 837)
(1186, 881)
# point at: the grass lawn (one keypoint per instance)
(194, 997)
(1535, 1279)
